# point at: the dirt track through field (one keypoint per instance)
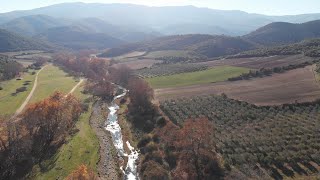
(297, 85)
(24, 104)
(76, 86)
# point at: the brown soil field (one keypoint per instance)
(261, 62)
(131, 55)
(297, 85)
(139, 63)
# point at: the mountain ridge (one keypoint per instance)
(157, 18)
(281, 33)
(13, 42)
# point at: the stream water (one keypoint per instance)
(112, 125)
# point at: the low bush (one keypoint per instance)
(21, 89)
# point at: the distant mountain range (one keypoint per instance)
(75, 34)
(126, 27)
(215, 46)
(74, 37)
(163, 20)
(32, 25)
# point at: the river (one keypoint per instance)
(112, 125)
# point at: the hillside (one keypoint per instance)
(124, 33)
(284, 33)
(309, 48)
(159, 18)
(32, 25)
(14, 42)
(76, 37)
(195, 29)
(210, 46)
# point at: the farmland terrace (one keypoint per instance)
(298, 85)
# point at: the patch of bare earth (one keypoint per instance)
(131, 54)
(139, 64)
(261, 62)
(297, 85)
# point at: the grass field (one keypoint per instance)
(8, 103)
(82, 148)
(200, 77)
(52, 79)
(78, 92)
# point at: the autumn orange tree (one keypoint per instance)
(184, 153)
(141, 95)
(121, 75)
(103, 89)
(82, 173)
(50, 120)
(36, 133)
(82, 64)
(142, 112)
(98, 69)
(197, 156)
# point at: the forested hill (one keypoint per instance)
(75, 37)
(32, 25)
(307, 47)
(210, 46)
(14, 42)
(280, 33)
(274, 34)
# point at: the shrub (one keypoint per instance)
(123, 100)
(160, 121)
(144, 141)
(151, 147)
(153, 170)
(21, 89)
(148, 126)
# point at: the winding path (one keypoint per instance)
(24, 104)
(76, 86)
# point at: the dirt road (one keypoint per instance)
(76, 86)
(24, 104)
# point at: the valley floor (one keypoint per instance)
(107, 166)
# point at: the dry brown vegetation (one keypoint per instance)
(180, 153)
(296, 85)
(82, 173)
(36, 134)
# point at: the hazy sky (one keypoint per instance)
(270, 7)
